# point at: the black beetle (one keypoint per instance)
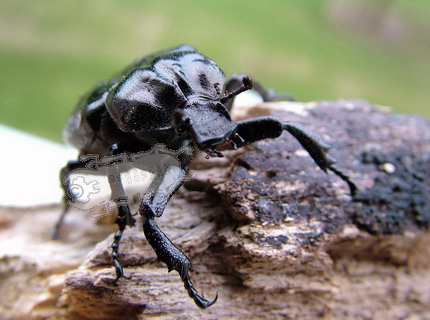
(177, 97)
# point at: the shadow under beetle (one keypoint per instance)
(179, 98)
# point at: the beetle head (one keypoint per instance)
(208, 124)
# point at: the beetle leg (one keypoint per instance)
(272, 127)
(121, 221)
(124, 216)
(153, 205)
(69, 167)
(318, 150)
(174, 258)
(166, 182)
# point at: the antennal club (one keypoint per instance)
(246, 85)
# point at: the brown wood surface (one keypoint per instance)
(268, 231)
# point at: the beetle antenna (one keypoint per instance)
(247, 85)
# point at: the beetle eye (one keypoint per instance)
(183, 127)
(182, 130)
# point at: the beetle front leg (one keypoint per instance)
(272, 127)
(174, 258)
(318, 150)
(153, 206)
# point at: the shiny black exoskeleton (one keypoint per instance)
(179, 98)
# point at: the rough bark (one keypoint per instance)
(266, 229)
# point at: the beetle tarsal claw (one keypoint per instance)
(204, 303)
(199, 300)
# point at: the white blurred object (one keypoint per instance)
(29, 168)
(247, 98)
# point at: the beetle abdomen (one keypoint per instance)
(82, 126)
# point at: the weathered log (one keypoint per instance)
(265, 228)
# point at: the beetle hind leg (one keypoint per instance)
(64, 172)
(56, 230)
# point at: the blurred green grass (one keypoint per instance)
(51, 52)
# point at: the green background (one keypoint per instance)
(52, 51)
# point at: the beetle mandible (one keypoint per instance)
(179, 98)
